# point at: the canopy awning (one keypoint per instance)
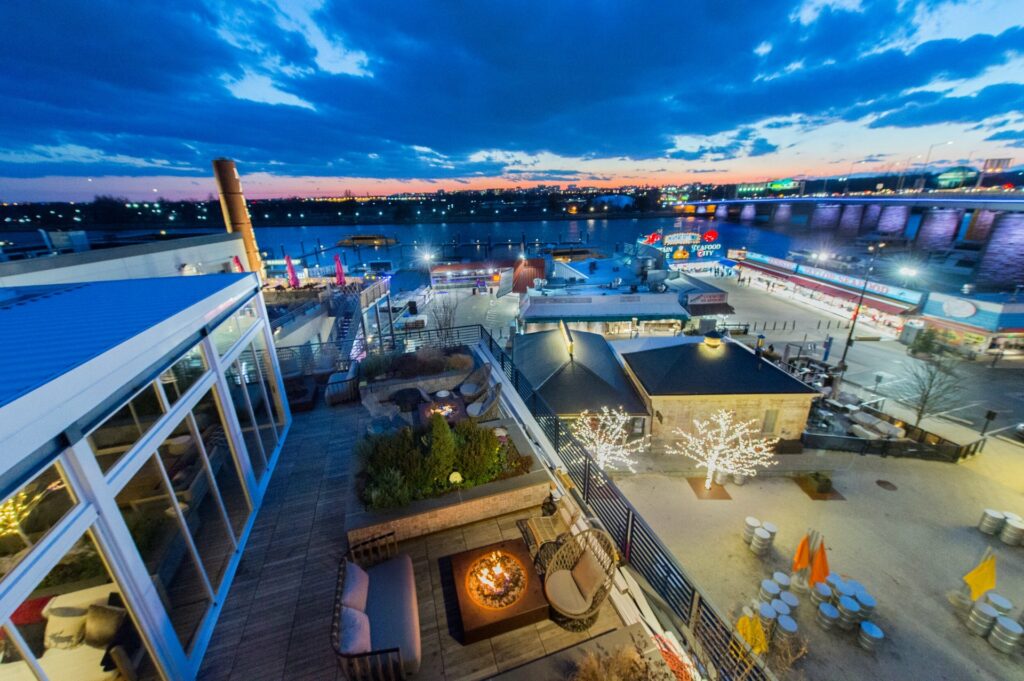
(703, 310)
(765, 269)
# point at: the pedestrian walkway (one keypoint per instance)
(276, 622)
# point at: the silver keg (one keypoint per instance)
(981, 619)
(870, 635)
(991, 521)
(749, 525)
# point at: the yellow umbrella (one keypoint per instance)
(750, 630)
(819, 566)
(982, 578)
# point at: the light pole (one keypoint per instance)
(875, 252)
(928, 156)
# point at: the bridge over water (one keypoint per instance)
(994, 222)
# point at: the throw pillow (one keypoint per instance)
(588, 575)
(30, 611)
(65, 627)
(102, 623)
(357, 587)
(355, 632)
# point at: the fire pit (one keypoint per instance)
(497, 589)
(445, 410)
(496, 580)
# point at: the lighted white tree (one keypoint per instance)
(725, 445)
(607, 436)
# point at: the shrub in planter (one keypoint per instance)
(477, 457)
(459, 362)
(388, 490)
(375, 366)
(441, 455)
(394, 451)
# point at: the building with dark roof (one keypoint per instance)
(577, 371)
(691, 380)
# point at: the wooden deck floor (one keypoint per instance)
(276, 623)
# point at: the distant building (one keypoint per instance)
(954, 178)
(576, 371)
(609, 313)
(990, 323)
(695, 378)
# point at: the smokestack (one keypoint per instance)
(236, 214)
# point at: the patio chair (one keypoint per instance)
(486, 407)
(548, 528)
(475, 384)
(376, 630)
(579, 575)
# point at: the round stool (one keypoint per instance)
(782, 579)
(790, 599)
(991, 521)
(867, 603)
(779, 607)
(982, 618)
(749, 525)
(760, 542)
(1000, 603)
(849, 613)
(769, 590)
(1005, 635)
(785, 629)
(870, 635)
(820, 593)
(827, 616)
(1013, 532)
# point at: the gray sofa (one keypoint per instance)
(376, 629)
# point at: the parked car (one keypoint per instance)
(1019, 430)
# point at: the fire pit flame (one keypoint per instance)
(496, 580)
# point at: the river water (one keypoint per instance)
(413, 240)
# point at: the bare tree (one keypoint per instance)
(442, 314)
(931, 387)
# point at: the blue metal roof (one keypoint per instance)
(46, 331)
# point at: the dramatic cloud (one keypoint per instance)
(363, 94)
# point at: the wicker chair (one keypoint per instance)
(383, 564)
(486, 407)
(579, 575)
(475, 384)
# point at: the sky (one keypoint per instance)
(315, 97)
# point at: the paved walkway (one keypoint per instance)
(276, 623)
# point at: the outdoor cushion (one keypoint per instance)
(357, 587)
(561, 589)
(393, 610)
(588, 575)
(65, 627)
(469, 389)
(355, 632)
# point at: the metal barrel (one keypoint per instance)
(827, 616)
(981, 619)
(749, 525)
(849, 613)
(790, 599)
(870, 635)
(769, 590)
(1006, 635)
(991, 521)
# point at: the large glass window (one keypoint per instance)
(151, 513)
(249, 369)
(28, 514)
(231, 329)
(120, 432)
(222, 460)
(183, 374)
(269, 383)
(246, 419)
(76, 625)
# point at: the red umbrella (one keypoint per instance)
(339, 271)
(293, 279)
(238, 264)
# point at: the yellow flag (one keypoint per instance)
(982, 578)
(750, 629)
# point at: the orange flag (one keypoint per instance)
(802, 558)
(819, 566)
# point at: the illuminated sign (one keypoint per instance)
(782, 185)
(680, 238)
(894, 292)
(706, 298)
(959, 308)
(769, 260)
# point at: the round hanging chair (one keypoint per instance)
(578, 577)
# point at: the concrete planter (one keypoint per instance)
(461, 507)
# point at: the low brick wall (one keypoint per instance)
(452, 510)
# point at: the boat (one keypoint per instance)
(367, 240)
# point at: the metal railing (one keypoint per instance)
(639, 544)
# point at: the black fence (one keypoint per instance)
(639, 544)
(946, 451)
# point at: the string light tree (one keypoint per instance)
(19, 507)
(606, 435)
(724, 445)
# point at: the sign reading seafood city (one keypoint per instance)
(684, 245)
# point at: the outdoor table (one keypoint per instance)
(442, 394)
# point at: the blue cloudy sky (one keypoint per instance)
(318, 96)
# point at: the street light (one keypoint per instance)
(875, 252)
(928, 156)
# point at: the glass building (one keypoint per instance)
(140, 422)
